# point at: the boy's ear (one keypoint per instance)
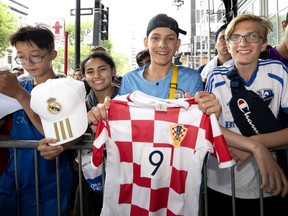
(283, 24)
(145, 41)
(264, 46)
(113, 72)
(53, 54)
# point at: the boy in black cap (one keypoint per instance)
(162, 41)
(156, 79)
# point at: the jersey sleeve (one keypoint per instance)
(101, 137)
(220, 148)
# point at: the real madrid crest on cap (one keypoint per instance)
(53, 106)
(60, 103)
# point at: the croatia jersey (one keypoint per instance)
(155, 153)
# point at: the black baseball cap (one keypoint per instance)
(162, 20)
(221, 28)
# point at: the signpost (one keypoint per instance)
(88, 36)
(83, 11)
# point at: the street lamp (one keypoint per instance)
(177, 3)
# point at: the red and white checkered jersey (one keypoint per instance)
(155, 152)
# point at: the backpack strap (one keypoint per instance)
(236, 81)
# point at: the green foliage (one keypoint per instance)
(122, 63)
(107, 44)
(8, 24)
(58, 63)
(121, 60)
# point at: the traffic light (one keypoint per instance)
(104, 22)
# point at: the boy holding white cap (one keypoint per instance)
(35, 52)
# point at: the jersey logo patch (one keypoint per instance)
(178, 133)
(266, 94)
(179, 94)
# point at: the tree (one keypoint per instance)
(8, 24)
(122, 63)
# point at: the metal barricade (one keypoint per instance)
(15, 144)
(85, 144)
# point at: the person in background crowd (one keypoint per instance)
(79, 75)
(98, 48)
(35, 52)
(246, 36)
(222, 57)
(18, 71)
(143, 58)
(280, 51)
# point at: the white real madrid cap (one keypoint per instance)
(60, 103)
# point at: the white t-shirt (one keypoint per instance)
(155, 153)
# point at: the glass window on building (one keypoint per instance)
(272, 7)
(282, 4)
(282, 17)
(273, 37)
(277, 35)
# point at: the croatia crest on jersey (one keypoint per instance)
(178, 133)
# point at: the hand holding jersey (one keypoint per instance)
(207, 103)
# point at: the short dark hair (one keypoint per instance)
(77, 69)
(96, 48)
(287, 18)
(40, 35)
(141, 55)
(221, 28)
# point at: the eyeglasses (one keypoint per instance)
(33, 59)
(250, 38)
